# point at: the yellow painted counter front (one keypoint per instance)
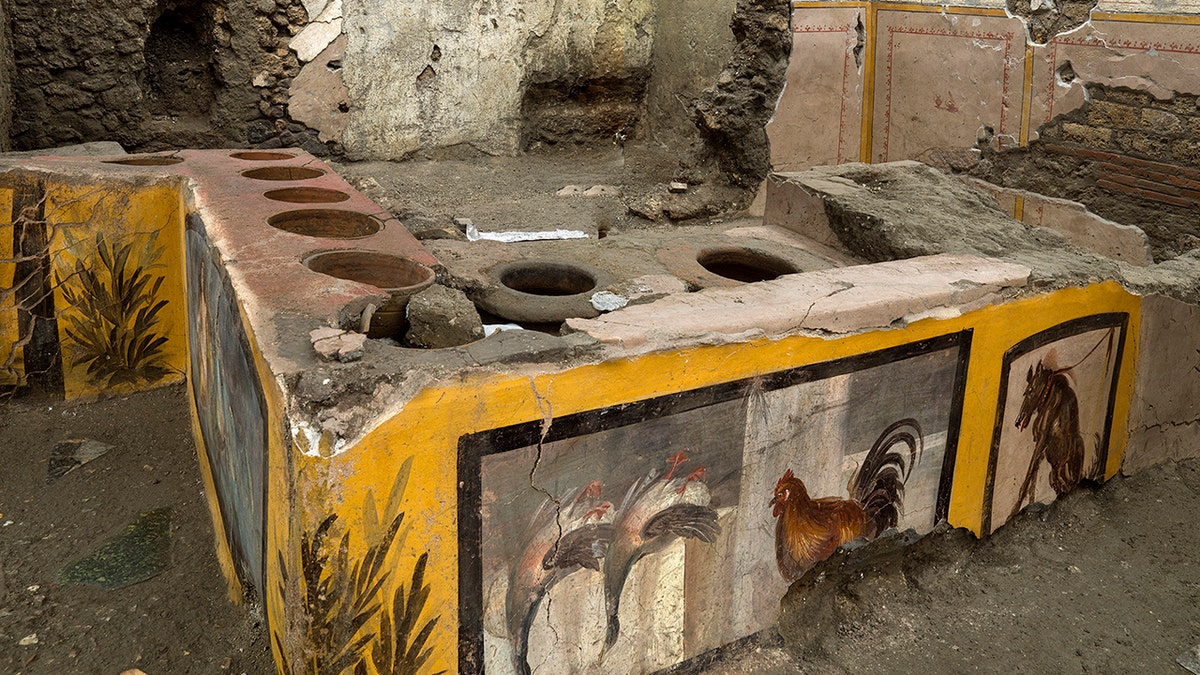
(455, 492)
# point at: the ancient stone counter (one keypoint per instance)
(623, 496)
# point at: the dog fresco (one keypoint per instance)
(644, 535)
(230, 405)
(1055, 414)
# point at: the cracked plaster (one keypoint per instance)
(456, 72)
(320, 32)
(1164, 421)
(875, 296)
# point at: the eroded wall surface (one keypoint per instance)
(151, 74)
(1093, 102)
(6, 74)
(464, 72)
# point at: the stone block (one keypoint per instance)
(1161, 122)
(1072, 219)
(788, 204)
(1093, 137)
(1102, 113)
(1186, 151)
(440, 317)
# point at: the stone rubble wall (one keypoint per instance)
(86, 75)
(6, 74)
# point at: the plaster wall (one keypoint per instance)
(1165, 416)
(686, 60)
(456, 72)
(862, 73)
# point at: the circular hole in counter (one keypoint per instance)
(549, 278)
(327, 223)
(145, 161)
(744, 265)
(283, 173)
(261, 156)
(307, 195)
(541, 291)
(400, 277)
(382, 270)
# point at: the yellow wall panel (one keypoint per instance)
(119, 300)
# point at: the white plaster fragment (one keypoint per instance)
(605, 301)
(473, 234)
(319, 33)
(493, 328)
(314, 7)
(307, 439)
(983, 45)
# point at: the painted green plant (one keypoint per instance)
(114, 318)
(344, 610)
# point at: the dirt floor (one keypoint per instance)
(180, 621)
(1105, 580)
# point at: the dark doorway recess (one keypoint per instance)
(179, 79)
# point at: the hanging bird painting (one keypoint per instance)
(809, 530)
(654, 513)
(564, 536)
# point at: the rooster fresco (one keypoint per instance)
(565, 536)
(809, 530)
(655, 512)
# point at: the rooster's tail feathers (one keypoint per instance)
(879, 483)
